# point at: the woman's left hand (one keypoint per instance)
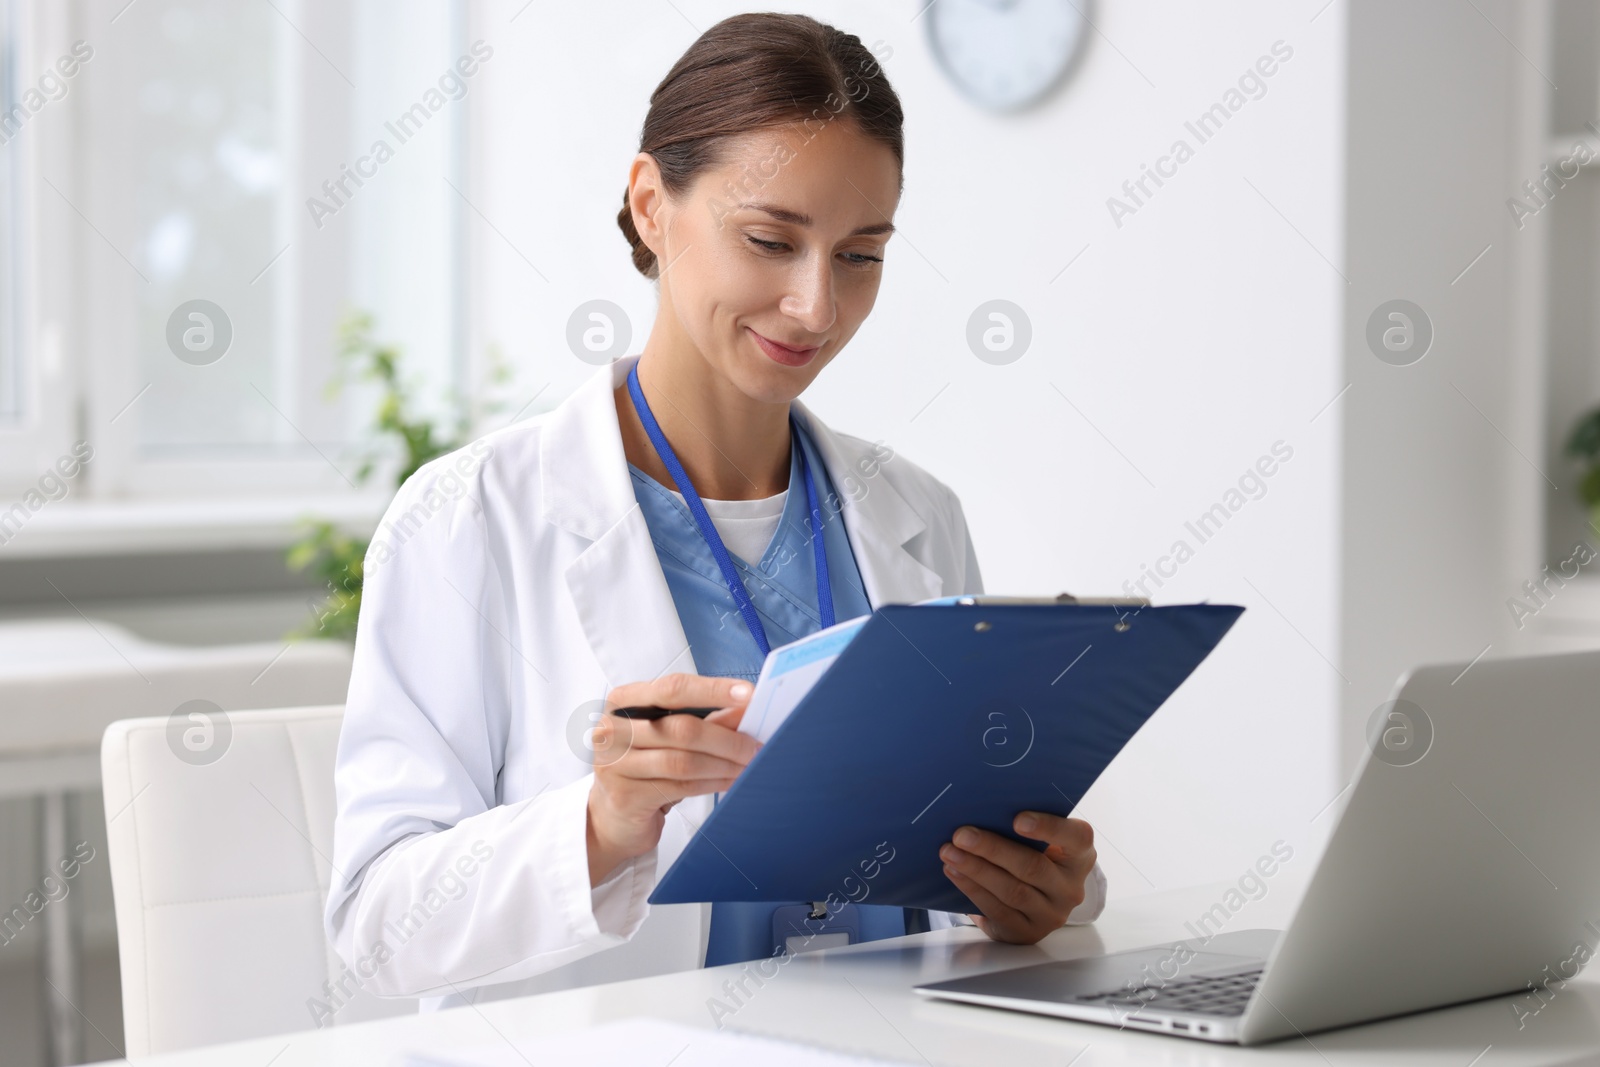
(1024, 893)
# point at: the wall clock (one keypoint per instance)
(1006, 54)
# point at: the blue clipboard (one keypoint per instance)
(932, 718)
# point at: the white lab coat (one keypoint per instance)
(509, 587)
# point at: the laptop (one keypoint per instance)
(1465, 864)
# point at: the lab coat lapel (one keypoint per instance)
(617, 586)
(879, 521)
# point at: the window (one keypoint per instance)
(198, 288)
(208, 112)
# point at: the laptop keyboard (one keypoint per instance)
(1201, 995)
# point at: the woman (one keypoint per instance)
(645, 543)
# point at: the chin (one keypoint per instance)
(772, 384)
(760, 378)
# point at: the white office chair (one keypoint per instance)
(219, 872)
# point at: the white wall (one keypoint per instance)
(1425, 538)
(1193, 337)
(1450, 473)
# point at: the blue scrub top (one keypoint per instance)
(783, 587)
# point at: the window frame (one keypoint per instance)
(42, 428)
(11, 363)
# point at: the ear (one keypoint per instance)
(647, 197)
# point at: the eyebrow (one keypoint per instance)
(796, 218)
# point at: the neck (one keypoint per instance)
(730, 446)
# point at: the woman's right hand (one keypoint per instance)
(643, 767)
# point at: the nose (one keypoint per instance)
(810, 299)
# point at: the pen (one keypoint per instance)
(650, 711)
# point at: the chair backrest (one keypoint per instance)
(219, 831)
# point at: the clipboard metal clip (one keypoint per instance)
(1121, 626)
(1060, 598)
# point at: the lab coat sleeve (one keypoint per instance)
(436, 886)
(1094, 899)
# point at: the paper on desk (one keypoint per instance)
(789, 672)
(634, 1042)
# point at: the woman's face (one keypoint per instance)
(771, 260)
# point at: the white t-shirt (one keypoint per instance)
(745, 526)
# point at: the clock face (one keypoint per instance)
(1006, 54)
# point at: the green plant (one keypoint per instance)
(335, 558)
(403, 432)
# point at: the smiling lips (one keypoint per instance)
(787, 355)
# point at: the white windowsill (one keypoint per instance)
(116, 527)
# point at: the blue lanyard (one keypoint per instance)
(741, 596)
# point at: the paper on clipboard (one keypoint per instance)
(789, 672)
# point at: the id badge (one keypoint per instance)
(795, 931)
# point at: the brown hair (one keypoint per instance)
(758, 71)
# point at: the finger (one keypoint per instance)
(1071, 840)
(682, 691)
(993, 908)
(1029, 898)
(700, 735)
(677, 765)
(695, 735)
(666, 792)
(1073, 835)
(1023, 862)
(727, 717)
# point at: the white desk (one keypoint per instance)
(859, 999)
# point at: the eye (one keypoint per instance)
(861, 259)
(769, 246)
